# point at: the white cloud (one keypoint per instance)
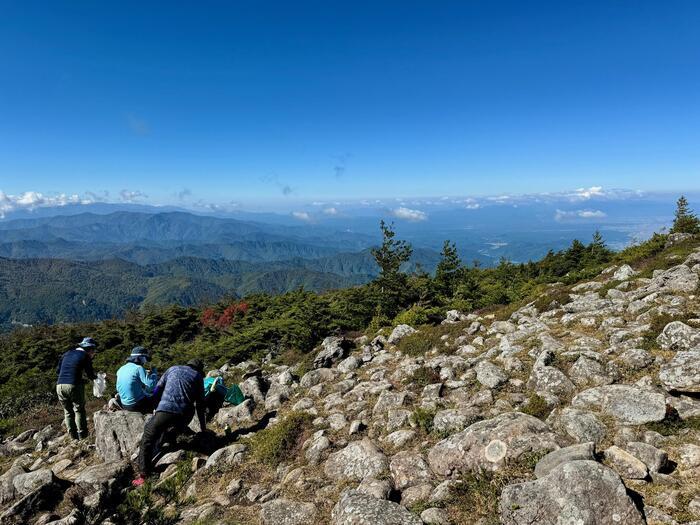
(331, 211)
(587, 193)
(409, 214)
(301, 215)
(561, 215)
(31, 200)
(473, 206)
(132, 196)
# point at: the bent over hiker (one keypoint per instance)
(180, 391)
(70, 386)
(135, 385)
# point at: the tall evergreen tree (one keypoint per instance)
(448, 270)
(389, 257)
(685, 220)
(598, 252)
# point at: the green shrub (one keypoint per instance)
(424, 376)
(415, 344)
(423, 419)
(279, 442)
(536, 406)
(673, 424)
(553, 296)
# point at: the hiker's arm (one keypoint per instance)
(148, 380)
(158, 390)
(60, 362)
(201, 409)
(88, 368)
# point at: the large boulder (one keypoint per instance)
(628, 404)
(400, 332)
(118, 434)
(677, 335)
(357, 461)
(333, 350)
(30, 481)
(582, 451)
(490, 375)
(677, 279)
(682, 373)
(286, 512)
(230, 455)
(408, 468)
(234, 415)
(104, 476)
(357, 508)
(490, 444)
(580, 492)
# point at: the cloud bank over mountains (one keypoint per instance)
(586, 204)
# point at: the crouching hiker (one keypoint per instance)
(70, 386)
(181, 394)
(135, 385)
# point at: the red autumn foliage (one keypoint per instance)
(211, 319)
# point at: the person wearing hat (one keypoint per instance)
(135, 385)
(70, 386)
(180, 394)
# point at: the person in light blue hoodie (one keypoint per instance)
(135, 385)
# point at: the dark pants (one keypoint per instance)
(153, 431)
(144, 406)
(213, 403)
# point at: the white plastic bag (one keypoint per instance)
(99, 385)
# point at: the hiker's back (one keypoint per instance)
(71, 367)
(183, 387)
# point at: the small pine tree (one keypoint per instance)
(597, 250)
(685, 220)
(392, 283)
(448, 269)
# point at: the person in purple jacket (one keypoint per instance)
(180, 395)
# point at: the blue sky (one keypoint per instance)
(285, 102)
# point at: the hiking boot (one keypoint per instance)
(138, 481)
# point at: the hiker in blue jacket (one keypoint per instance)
(70, 386)
(180, 394)
(135, 385)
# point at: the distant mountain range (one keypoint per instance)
(89, 266)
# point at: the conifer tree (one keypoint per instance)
(448, 269)
(391, 282)
(685, 220)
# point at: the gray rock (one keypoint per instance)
(231, 455)
(400, 332)
(333, 350)
(348, 364)
(356, 508)
(416, 494)
(118, 434)
(636, 359)
(103, 476)
(677, 279)
(28, 482)
(655, 459)
(589, 372)
(628, 404)
(408, 468)
(624, 272)
(625, 464)
(688, 456)
(489, 444)
(435, 516)
(286, 512)
(559, 498)
(490, 375)
(359, 460)
(316, 377)
(581, 425)
(682, 373)
(583, 451)
(388, 400)
(678, 336)
(451, 420)
(377, 488)
(233, 415)
(254, 388)
(548, 379)
(7, 487)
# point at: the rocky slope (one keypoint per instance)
(582, 407)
